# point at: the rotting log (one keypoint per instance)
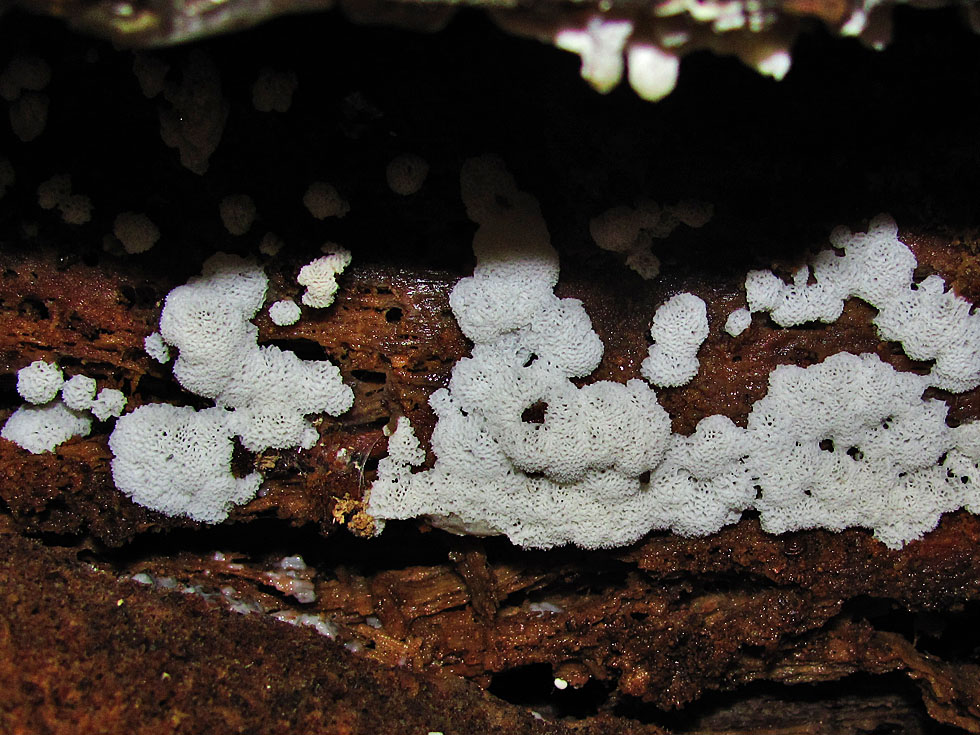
(802, 621)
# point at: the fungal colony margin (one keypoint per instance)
(847, 442)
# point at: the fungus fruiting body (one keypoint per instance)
(847, 442)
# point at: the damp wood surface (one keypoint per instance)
(738, 632)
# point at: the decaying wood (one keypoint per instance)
(738, 632)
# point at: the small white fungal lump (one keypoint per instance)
(193, 120)
(78, 393)
(237, 213)
(600, 44)
(738, 321)
(108, 404)
(156, 348)
(320, 276)
(322, 200)
(632, 230)
(262, 396)
(151, 73)
(135, 231)
(57, 192)
(43, 428)
(283, 313)
(271, 244)
(406, 173)
(680, 327)
(931, 322)
(21, 84)
(40, 382)
(24, 73)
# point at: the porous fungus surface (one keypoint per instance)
(883, 639)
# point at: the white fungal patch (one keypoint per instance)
(43, 428)
(846, 442)
(237, 213)
(39, 382)
(322, 200)
(406, 173)
(135, 231)
(320, 276)
(679, 329)
(283, 313)
(178, 460)
(738, 321)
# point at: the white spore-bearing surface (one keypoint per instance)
(156, 348)
(931, 322)
(680, 327)
(40, 381)
(262, 396)
(632, 230)
(320, 276)
(78, 392)
(43, 428)
(571, 478)
(48, 423)
(285, 312)
(848, 442)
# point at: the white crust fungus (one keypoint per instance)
(738, 321)
(43, 428)
(24, 73)
(931, 322)
(57, 192)
(156, 348)
(194, 120)
(21, 83)
(39, 382)
(406, 173)
(600, 44)
(851, 442)
(680, 327)
(320, 276)
(632, 230)
(53, 191)
(322, 200)
(108, 404)
(76, 209)
(847, 442)
(78, 393)
(177, 460)
(271, 244)
(542, 484)
(237, 213)
(285, 312)
(151, 73)
(262, 396)
(135, 231)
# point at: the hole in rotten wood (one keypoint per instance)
(369, 376)
(534, 414)
(305, 349)
(34, 308)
